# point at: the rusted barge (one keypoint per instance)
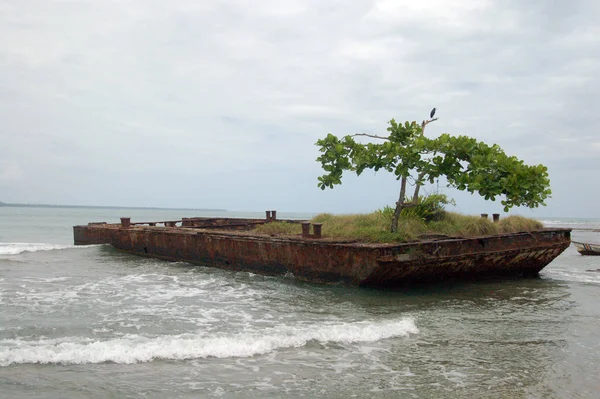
(232, 244)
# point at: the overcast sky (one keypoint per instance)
(218, 104)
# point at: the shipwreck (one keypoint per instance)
(232, 243)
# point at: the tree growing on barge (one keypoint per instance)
(467, 164)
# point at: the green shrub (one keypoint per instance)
(429, 208)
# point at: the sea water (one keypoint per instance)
(92, 322)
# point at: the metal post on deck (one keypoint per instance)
(305, 229)
(125, 222)
(496, 217)
(484, 215)
(317, 227)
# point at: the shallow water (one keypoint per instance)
(94, 322)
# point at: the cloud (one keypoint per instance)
(209, 100)
(11, 173)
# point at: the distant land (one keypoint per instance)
(107, 207)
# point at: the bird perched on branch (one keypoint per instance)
(432, 113)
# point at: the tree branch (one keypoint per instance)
(399, 206)
(425, 123)
(369, 135)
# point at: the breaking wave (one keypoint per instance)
(15, 248)
(137, 349)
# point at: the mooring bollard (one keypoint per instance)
(273, 215)
(484, 215)
(496, 217)
(125, 222)
(268, 216)
(305, 229)
(317, 229)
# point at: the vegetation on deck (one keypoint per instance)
(412, 225)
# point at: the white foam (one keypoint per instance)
(566, 222)
(15, 248)
(579, 277)
(136, 348)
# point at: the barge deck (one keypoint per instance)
(232, 244)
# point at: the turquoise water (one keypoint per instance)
(91, 322)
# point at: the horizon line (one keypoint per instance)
(19, 204)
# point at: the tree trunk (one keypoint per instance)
(415, 199)
(399, 206)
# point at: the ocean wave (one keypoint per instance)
(140, 349)
(15, 248)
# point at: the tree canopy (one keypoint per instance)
(466, 164)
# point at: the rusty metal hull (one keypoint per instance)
(331, 262)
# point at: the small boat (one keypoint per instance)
(587, 249)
